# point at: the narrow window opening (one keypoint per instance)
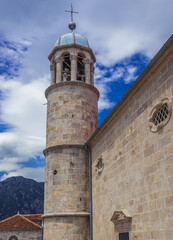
(124, 236)
(80, 69)
(66, 72)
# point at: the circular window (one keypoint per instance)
(13, 238)
(160, 114)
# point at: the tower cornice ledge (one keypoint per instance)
(62, 146)
(61, 84)
(74, 46)
(65, 214)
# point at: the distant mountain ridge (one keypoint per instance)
(19, 194)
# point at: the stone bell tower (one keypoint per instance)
(72, 112)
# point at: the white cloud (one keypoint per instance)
(115, 31)
(131, 76)
(22, 105)
(33, 173)
(22, 108)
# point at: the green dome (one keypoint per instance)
(72, 38)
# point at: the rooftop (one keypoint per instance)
(72, 38)
(21, 222)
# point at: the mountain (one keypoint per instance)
(19, 194)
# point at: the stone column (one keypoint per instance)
(52, 70)
(58, 61)
(92, 74)
(73, 59)
(87, 70)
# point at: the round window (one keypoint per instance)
(160, 114)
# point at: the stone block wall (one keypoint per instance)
(72, 111)
(22, 234)
(67, 189)
(68, 228)
(138, 163)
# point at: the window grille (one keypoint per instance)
(161, 115)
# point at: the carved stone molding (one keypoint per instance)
(58, 59)
(160, 114)
(121, 216)
(99, 166)
(73, 57)
(67, 214)
(86, 61)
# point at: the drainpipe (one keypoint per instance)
(90, 192)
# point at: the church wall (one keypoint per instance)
(22, 234)
(138, 164)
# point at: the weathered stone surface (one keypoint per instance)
(22, 235)
(71, 114)
(138, 165)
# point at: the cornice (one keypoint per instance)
(62, 146)
(73, 46)
(71, 214)
(74, 83)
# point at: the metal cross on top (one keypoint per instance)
(71, 12)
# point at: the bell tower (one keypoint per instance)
(72, 112)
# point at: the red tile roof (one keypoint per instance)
(18, 222)
(33, 217)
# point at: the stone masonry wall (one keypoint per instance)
(67, 190)
(71, 120)
(68, 228)
(21, 234)
(72, 113)
(138, 164)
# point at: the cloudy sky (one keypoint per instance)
(124, 34)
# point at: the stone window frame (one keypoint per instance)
(155, 109)
(97, 168)
(13, 237)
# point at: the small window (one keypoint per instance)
(124, 236)
(160, 114)
(13, 238)
(66, 72)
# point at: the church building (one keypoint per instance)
(115, 181)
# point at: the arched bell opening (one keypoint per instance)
(80, 68)
(66, 68)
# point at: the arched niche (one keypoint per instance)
(66, 67)
(80, 67)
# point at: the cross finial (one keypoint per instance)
(71, 25)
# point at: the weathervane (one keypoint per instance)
(71, 25)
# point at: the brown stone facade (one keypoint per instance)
(67, 228)
(67, 188)
(72, 111)
(71, 119)
(22, 234)
(138, 164)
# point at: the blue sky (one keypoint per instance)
(124, 35)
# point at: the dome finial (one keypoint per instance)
(71, 25)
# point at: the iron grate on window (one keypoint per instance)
(161, 115)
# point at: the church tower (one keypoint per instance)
(72, 112)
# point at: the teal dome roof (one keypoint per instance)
(72, 38)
